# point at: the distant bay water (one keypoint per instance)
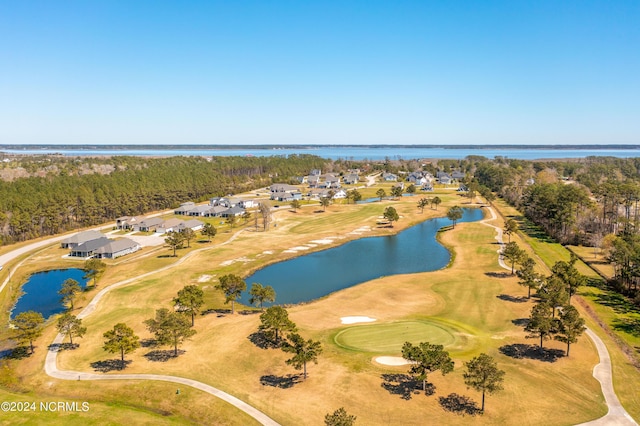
(339, 152)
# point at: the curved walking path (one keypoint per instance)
(616, 415)
(51, 367)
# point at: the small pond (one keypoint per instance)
(41, 291)
(318, 274)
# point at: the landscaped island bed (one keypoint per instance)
(475, 305)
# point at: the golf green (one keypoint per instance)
(389, 337)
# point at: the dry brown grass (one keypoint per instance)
(466, 294)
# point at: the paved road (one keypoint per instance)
(617, 415)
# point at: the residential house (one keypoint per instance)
(117, 248)
(215, 211)
(389, 177)
(332, 181)
(148, 225)
(457, 175)
(417, 178)
(185, 208)
(317, 193)
(313, 181)
(340, 193)
(220, 201)
(126, 222)
(445, 179)
(193, 224)
(233, 211)
(315, 172)
(81, 238)
(88, 248)
(200, 210)
(350, 178)
(248, 204)
(285, 192)
(169, 225)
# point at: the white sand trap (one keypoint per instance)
(391, 360)
(267, 252)
(204, 278)
(356, 319)
(312, 245)
(299, 248)
(324, 241)
(229, 262)
(289, 251)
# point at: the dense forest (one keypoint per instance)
(56, 194)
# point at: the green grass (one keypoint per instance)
(389, 337)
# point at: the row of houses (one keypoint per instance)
(156, 224)
(316, 179)
(95, 244)
(217, 207)
(423, 178)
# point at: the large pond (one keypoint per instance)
(41, 291)
(317, 274)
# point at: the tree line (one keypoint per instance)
(68, 199)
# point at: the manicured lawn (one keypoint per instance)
(389, 337)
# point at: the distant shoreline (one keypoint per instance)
(170, 147)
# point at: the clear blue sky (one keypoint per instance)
(286, 72)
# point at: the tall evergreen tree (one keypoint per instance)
(189, 301)
(27, 327)
(426, 358)
(483, 375)
(68, 291)
(121, 338)
(70, 325)
(170, 328)
(303, 351)
(232, 287)
(570, 326)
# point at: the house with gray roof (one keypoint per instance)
(117, 248)
(215, 211)
(285, 192)
(88, 248)
(148, 225)
(126, 222)
(457, 175)
(81, 238)
(351, 178)
(389, 177)
(193, 224)
(199, 210)
(185, 208)
(233, 211)
(168, 225)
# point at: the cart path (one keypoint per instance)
(617, 415)
(51, 365)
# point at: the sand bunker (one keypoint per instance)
(323, 241)
(391, 360)
(356, 319)
(239, 259)
(296, 249)
(204, 278)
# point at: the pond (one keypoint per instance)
(318, 274)
(41, 291)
